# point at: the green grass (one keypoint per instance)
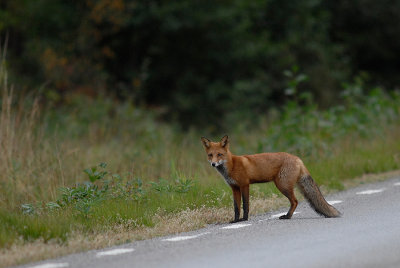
(356, 159)
(52, 186)
(15, 226)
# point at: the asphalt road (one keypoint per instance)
(368, 235)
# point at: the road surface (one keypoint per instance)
(368, 235)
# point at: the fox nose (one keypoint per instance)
(213, 164)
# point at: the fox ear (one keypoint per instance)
(224, 141)
(206, 142)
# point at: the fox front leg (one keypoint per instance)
(236, 203)
(245, 196)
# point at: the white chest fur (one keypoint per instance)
(222, 170)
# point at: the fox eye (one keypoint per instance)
(210, 155)
(220, 154)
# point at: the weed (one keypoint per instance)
(183, 185)
(94, 174)
(28, 209)
(180, 185)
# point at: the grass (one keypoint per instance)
(96, 172)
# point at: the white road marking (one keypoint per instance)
(116, 251)
(181, 238)
(396, 184)
(51, 265)
(333, 202)
(371, 191)
(236, 226)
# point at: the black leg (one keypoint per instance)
(236, 203)
(245, 197)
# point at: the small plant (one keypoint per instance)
(161, 186)
(103, 186)
(94, 174)
(295, 78)
(84, 206)
(180, 185)
(82, 191)
(28, 209)
(52, 206)
(134, 189)
(183, 185)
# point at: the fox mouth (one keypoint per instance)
(220, 167)
(219, 164)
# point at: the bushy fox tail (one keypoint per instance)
(311, 192)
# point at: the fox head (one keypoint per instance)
(217, 152)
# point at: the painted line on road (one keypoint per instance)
(396, 184)
(116, 251)
(371, 191)
(333, 202)
(236, 226)
(181, 238)
(51, 265)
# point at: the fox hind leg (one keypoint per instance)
(293, 204)
(289, 193)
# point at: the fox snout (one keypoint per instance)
(216, 164)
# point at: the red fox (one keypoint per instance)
(284, 169)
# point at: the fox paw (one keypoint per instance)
(238, 220)
(284, 217)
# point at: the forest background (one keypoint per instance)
(192, 60)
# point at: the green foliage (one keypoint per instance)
(180, 185)
(295, 78)
(184, 185)
(28, 209)
(112, 200)
(227, 57)
(84, 197)
(94, 174)
(303, 129)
